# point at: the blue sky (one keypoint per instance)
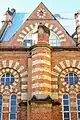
(55, 6)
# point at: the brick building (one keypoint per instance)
(39, 67)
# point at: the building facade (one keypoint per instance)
(39, 67)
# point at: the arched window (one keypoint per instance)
(78, 106)
(13, 107)
(7, 79)
(31, 38)
(0, 107)
(71, 78)
(28, 40)
(54, 40)
(66, 107)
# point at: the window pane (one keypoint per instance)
(12, 80)
(13, 102)
(12, 116)
(65, 102)
(78, 97)
(2, 80)
(0, 116)
(66, 115)
(1, 97)
(79, 115)
(66, 108)
(65, 96)
(13, 109)
(71, 78)
(66, 119)
(7, 74)
(0, 103)
(13, 97)
(0, 108)
(76, 79)
(78, 102)
(54, 40)
(71, 74)
(78, 108)
(7, 79)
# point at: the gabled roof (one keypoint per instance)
(22, 24)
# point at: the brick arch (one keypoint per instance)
(57, 31)
(18, 71)
(52, 27)
(25, 31)
(59, 72)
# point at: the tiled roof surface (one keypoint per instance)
(18, 20)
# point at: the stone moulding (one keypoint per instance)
(47, 100)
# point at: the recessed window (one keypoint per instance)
(71, 78)
(7, 79)
(66, 107)
(13, 107)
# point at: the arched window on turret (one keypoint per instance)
(66, 107)
(54, 40)
(13, 107)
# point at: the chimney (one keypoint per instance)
(77, 18)
(9, 16)
(7, 22)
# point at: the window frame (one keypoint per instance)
(5, 82)
(10, 108)
(77, 106)
(56, 42)
(68, 81)
(2, 107)
(63, 107)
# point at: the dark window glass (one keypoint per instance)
(71, 78)
(78, 97)
(7, 79)
(78, 108)
(79, 115)
(66, 107)
(65, 102)
(0, 106)
(66, 115)
(78, 105)
(78, 102)
(12, 116)
(13, 107)
(65, 96)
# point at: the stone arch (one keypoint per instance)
(59, 72)
(52, 27)
(19, 72)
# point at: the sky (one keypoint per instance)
(55, 6)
